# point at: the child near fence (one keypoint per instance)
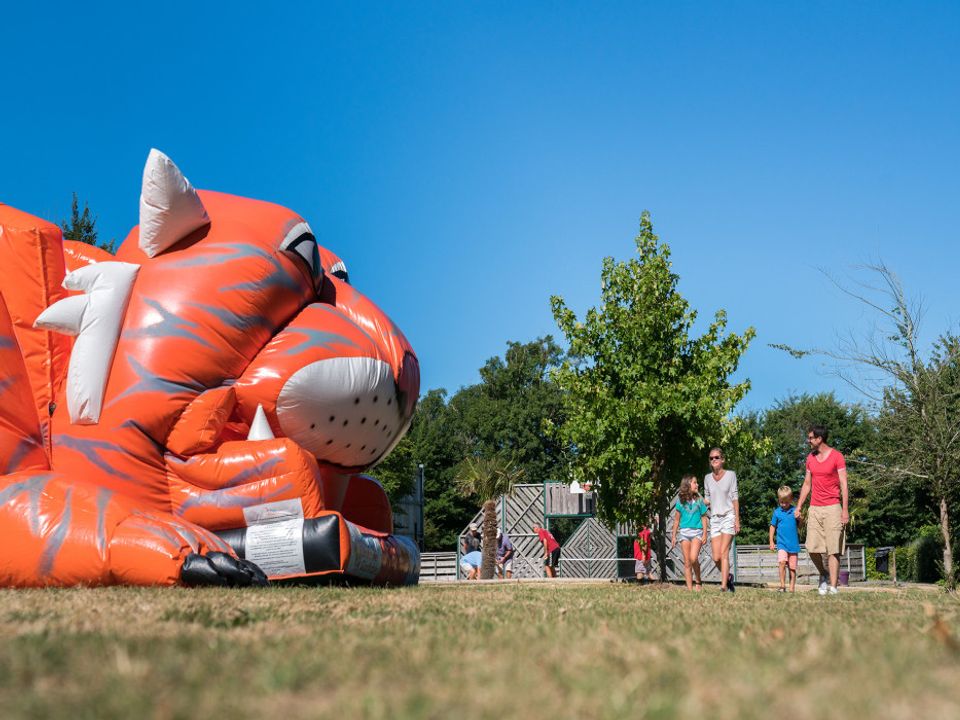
(641, 555)
(691, 521)
(784, 538)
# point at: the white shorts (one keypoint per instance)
(690, 534)
(507, 566)
(721, 525)
(466, 568)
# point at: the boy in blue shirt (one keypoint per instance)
(784, 539)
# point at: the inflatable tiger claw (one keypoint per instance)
(200, 408)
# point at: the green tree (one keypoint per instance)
(82, 226)
(509, 411)
(644, 397)
(513, 406)
(488, 478)
(434, 440)
(917, 393)
(877, 515)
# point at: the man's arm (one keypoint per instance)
(804, 491)
(844, 495)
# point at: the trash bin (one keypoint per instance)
(882, 558)
(845, 577)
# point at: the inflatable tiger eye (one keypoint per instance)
(198, 409)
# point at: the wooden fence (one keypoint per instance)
(438, 566)
(754, 564)
(758, 563)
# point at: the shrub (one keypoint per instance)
(872, 572)
(920, 561)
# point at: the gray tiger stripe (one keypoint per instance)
(24, 446)
(223, 499)
(56, 538)
(35, 492)
(103, 499)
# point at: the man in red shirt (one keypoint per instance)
(827, 478)
(551, 550)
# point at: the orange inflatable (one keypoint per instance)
(198, 409)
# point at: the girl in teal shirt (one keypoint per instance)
(690, 519)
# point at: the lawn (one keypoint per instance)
(471, 651)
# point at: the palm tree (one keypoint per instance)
(488, 478)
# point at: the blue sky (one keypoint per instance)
(468, 160)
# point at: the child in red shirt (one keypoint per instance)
(641, 555)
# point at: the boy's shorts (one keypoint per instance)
(641, 568)
(825, 532)
(787, 557)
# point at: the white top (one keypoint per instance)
(721, 493)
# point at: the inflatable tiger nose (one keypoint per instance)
(199, 408)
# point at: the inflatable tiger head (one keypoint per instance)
(224, 308)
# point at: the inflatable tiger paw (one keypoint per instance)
(198, 409)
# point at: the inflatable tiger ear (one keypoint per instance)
(170, 208)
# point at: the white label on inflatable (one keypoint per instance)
(366, 555)
(273, 512)
(277, 547)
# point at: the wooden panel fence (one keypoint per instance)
(591, 555)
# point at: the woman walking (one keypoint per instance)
(720, 489)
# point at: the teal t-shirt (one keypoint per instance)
(690, 514)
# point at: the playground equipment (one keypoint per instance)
(591, 550)
(200, 407)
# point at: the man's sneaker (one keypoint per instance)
(823, 585)
(831, 590)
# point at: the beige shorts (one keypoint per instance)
(825, 532)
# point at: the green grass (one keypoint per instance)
(525, 651)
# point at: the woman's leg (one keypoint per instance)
(725, 542)
(687, 569)
(716, 547)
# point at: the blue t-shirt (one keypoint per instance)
(786, 525)
(690, 514)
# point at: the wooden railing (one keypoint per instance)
(755, 563)
(758, 563)
(438, 566)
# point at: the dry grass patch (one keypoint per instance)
(493, 651)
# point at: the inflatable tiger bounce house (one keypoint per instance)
(198, 409)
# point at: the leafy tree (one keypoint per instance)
(434, 440)
(917, 393)
(82, 226)
(512, 407)
(488, 478)
(877, 515)
(507, 412)
(644, 397)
